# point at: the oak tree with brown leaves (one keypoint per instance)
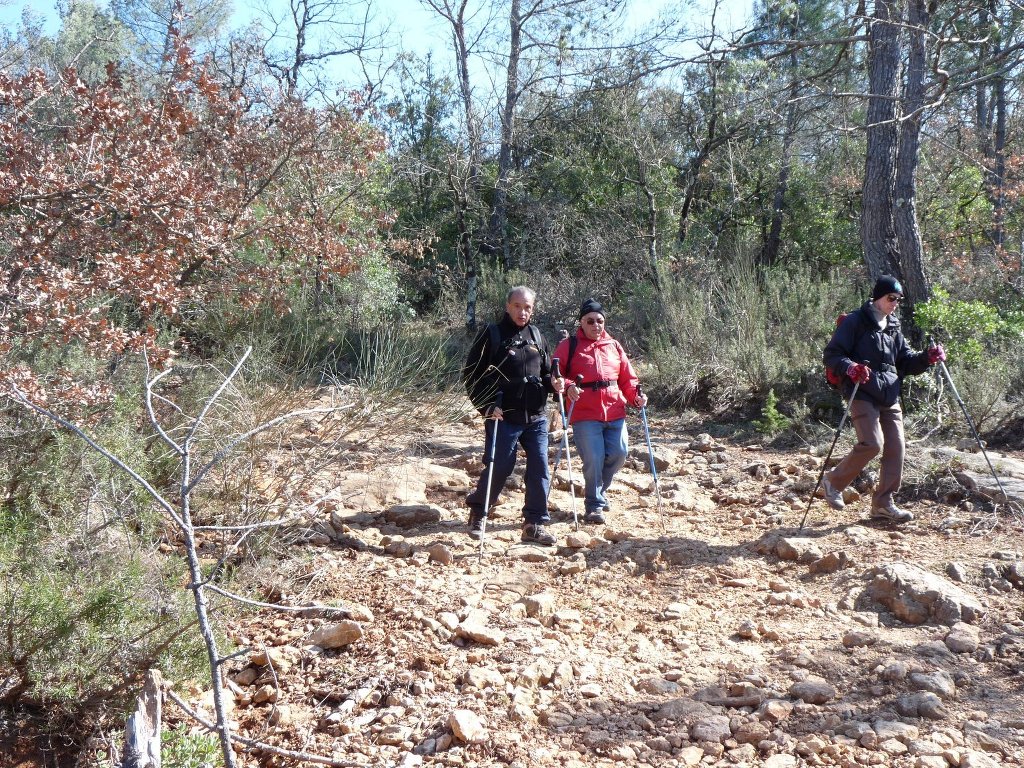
(120, 209)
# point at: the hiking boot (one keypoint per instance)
(476, 525)
(891, 513)
(535, 533)
(833, 497)
(596, 517)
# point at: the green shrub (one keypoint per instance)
(771, 422)
(984, 346)
(971, 331)
(183, 748)
(726, 337)
(84, 616)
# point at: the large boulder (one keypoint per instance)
(916, 596)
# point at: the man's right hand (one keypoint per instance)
(858, 373)
(495, 413)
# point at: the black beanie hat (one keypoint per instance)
(591, 305)
(884, 285)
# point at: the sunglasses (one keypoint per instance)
(895, 298)
(594, 321)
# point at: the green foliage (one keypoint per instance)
(771, 422)
(724, 337)
(984, 346)
(406, 359)
(84, 615)
(969, 330)
(183, 748)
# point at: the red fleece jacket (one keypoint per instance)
(600, 360)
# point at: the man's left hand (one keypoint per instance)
(936, 354)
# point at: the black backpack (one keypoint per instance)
(498, 351)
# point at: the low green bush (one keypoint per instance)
(181, 747)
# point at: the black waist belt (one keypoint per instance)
(886, 367)
(595, 385)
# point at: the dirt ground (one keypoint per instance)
(704, 629)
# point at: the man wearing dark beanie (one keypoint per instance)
(885, 285)
(868, 349)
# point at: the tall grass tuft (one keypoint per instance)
(726, 338)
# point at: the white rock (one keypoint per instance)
(963, 638)
(690, 756)
(467, 727)
(540, 605)
(485, 677)
(439, 553)
(336, 635)
(813, 690)
(893, 729)
(474, 627)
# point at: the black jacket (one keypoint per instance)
(519, 368)
(859, 339)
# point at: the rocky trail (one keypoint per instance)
(712, 632)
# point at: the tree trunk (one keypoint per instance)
(915, 284)
(773, 240)
(877, 230)
(499, 215)
(997, 175)
(468, 190)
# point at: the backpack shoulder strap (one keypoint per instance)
(495, 342)
(539, 343)
(573, 341)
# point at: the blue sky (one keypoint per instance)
(415, 27)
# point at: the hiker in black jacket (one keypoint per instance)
(511, 356)
(869, 348)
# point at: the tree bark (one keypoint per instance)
(877, 230)
(499, 215)
(915, 283)
(465, 190)
(997, 175)
(773, 241)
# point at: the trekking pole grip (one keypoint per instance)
(554, 369)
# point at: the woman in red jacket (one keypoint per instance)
(599, 415)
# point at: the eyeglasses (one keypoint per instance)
(594, 321)
(895, 298)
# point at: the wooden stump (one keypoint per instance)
(142, 733)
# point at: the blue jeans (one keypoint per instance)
(602, 446)
(534, 439)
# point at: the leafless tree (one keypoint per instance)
(194, 467)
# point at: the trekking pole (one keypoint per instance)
(572, 406)
(970, 423)
(565, 446)
(650, 453)
(490, 472)
(824, 464)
